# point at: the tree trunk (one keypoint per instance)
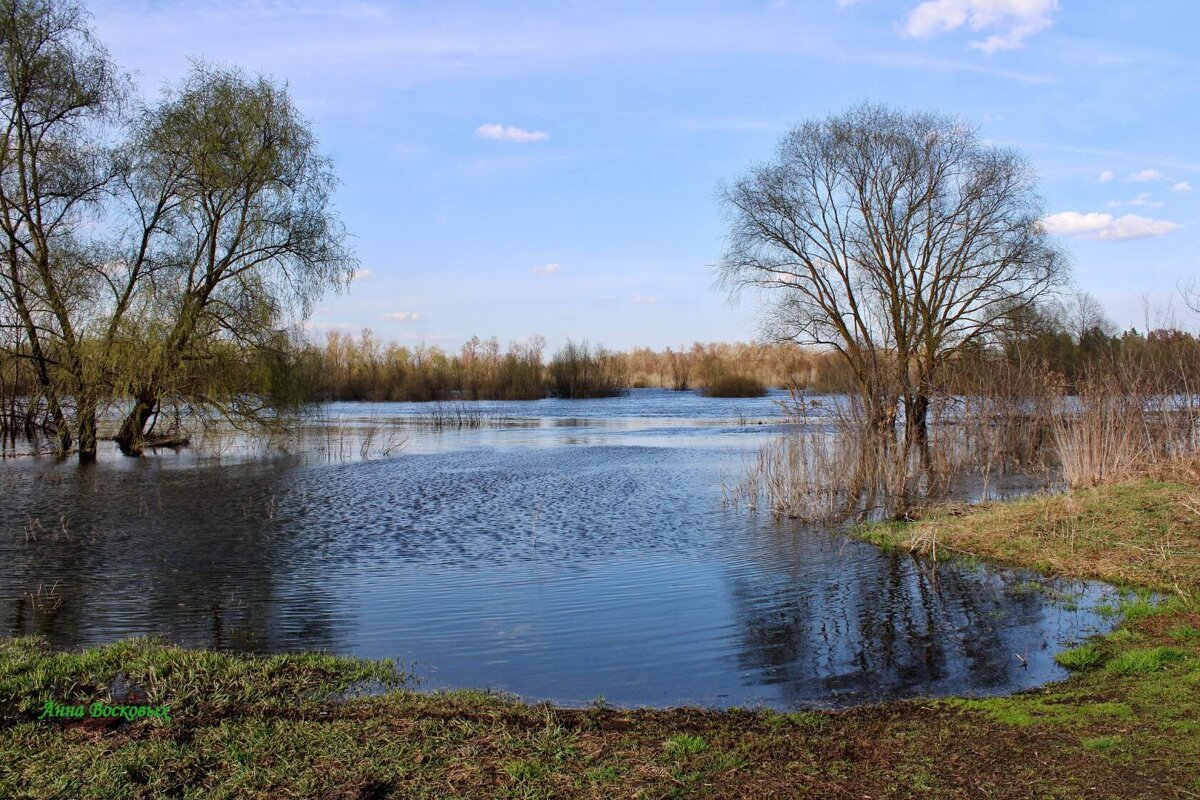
(881, 415)
(916, 421)
(87, 430)
(132, 436)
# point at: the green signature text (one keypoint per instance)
(53, 710)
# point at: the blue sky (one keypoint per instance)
(550, 168)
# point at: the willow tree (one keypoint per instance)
(236, 237)
(58, 93)
(894, 238)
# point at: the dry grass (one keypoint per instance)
(1145, 534)
(820, 473)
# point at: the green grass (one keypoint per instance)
(683, 745)
(1184, 633)
(1088, 656)
(1101, 744)
(192, 681)
(1143, 662)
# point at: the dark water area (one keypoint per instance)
(582, 549)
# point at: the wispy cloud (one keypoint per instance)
(1182, 186)
(1106, 176)
(1143, 200)
(1100, 152)
(1145, 175)
(360, 275)
(402, 316)
(645, 298)
(509, 133)
(324, 45)
(547, 269)
(1010, 22)
(1106, 227)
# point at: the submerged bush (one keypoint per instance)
(734, 385)
(579, 371)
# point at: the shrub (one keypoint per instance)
(734, 385)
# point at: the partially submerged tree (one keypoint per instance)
(237, 236)
(894, 238)
(156, 257)
(57, 91)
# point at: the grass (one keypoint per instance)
(1126, 724)
(1144, 535)
(1145, 661)
(1088, 656)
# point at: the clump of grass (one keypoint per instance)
(605, 774)
(734, 385)
(1144, 661)
(1081, 658)
(460, 414)
(1185, 633)
(526, 771)
(724, 761)
(683, 745)
(1101, 744)
(815, 473)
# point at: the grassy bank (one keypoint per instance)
(1126, 725)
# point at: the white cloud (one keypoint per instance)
(1106, 176)
(360, 275)
(645, 298)
(1141, 201)
(1182, 186)
(402, 316)
(1145, 175)
(1106, 227)
(547, 269)
(1009, 22)
(509, 133)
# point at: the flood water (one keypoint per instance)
(580, 550)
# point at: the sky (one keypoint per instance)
(550, 168)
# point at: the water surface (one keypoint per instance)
(579, 550)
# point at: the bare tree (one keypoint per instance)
(894, 238)
(1083, 316)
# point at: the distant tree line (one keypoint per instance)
(347, 367)
(1049, 339)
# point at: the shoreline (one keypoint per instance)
(1125, 724)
